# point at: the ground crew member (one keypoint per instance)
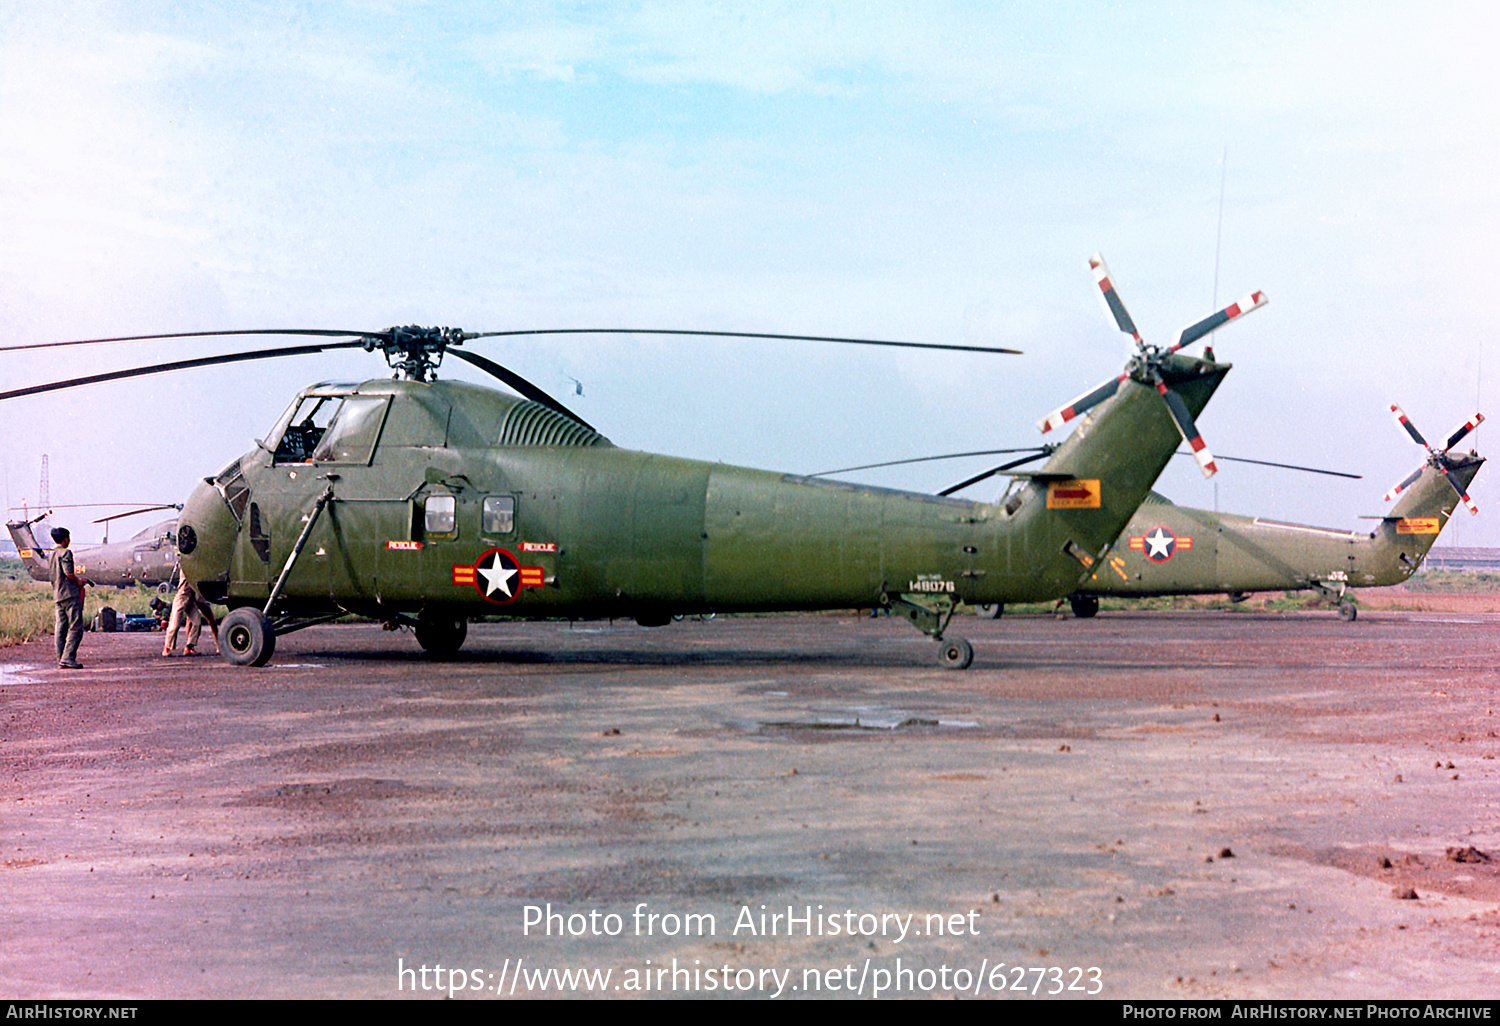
(67, 590)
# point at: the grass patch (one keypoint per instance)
(1460, 581)
(27, 609)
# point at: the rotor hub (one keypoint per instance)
(414, 351)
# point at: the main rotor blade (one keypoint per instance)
(1057, 418)
(1213, 322)
(740, 334)
(1112, 298)
(519, 383)
(1410, 428)
(323, 332)
(991, 473)
(161, 368)
(1462, 430)
(1282, 466)
(1183, 418)
(930, 459)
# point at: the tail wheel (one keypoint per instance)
(247, 638)
(955, 654)
(441, 636)
(1348, 612)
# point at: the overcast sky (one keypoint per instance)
(928, 172)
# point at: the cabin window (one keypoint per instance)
(499, 514)
(440, 516)
(231, 485)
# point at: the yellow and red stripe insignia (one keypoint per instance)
(531, 577)
(1184, 542)
(463, 575)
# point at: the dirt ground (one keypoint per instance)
(1166, 805)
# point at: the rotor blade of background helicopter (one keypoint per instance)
(740, 334)
(144, 509)
(323, 332)
(97, 505)
(930, 459)
(161, 368)
(990, 473)
(518, 383)
(1283, 466)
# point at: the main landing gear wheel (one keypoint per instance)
(1348, 612)
(955, 654)
(247, 638)
(990, 610)
(1084, 606)
(441, 636)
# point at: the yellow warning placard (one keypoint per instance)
(1077, 494)
(1417, 525)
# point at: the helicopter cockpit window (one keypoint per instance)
(305, 427)
(499, 514)
(440, 515)
(351, 436)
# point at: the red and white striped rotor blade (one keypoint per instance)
(1112, 298)
(1408, 426)
(1404, 485)
(1462, 430)
(1213, 322)
(1060, 416)
(1457, 487)
(1183, 418)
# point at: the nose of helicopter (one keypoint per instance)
(206, 533)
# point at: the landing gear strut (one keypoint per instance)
(954, 653)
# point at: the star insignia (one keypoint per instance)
(496, 571)
(1160, 544)
(499, 576)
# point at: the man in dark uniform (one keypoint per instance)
(67, 590)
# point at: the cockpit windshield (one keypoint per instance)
(330, 424)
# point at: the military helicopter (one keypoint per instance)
(1172, 550)
(148, 558)
(426, 503)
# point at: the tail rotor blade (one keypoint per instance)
(1213, 322)
(1462, 430)
(1057, 418)
(1463, 495)
(1408, 426)
(1410, 480)
(1112, 298)
(1183, 418)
